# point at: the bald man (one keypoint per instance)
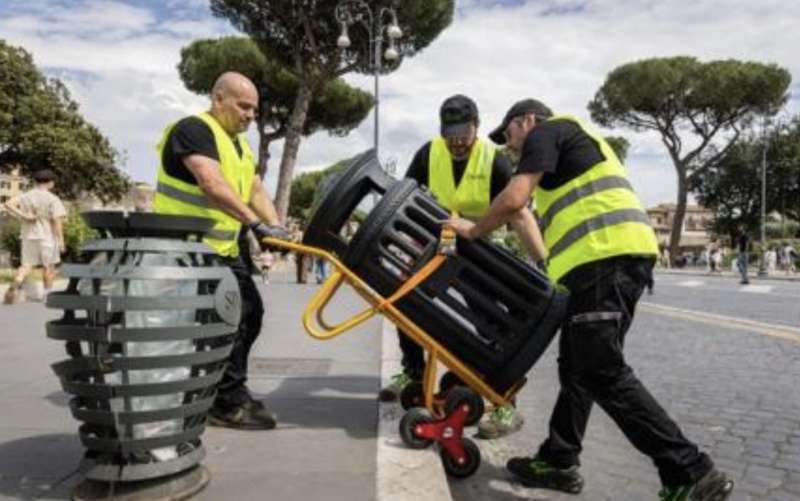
(208, 170)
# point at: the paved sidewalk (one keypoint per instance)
(324, 393)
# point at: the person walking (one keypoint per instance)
(742, 245)
(207, 169)
(41, 214)
(602, 249)
(464, 173)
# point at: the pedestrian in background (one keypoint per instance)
(742, 246)
(41, 215)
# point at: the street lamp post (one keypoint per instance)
(349, 12)
(762, 266)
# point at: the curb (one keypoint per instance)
(403, 474)
(704, 273)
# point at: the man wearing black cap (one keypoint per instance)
(602, 248)
(464, 173)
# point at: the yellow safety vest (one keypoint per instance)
(472, 196)
(594, 216)
(177, 197)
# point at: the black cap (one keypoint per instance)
(455, 115)
(520, 108)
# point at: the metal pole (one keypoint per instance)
(762, 267)
(377, 68)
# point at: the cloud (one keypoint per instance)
(119, 58)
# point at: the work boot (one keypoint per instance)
(714, 486)
(251, 415)
(391, 392)
(535, 472)
(502, 421)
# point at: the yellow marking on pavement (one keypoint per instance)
(772, 330)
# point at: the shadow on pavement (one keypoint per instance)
(40, 466)
(341, 402)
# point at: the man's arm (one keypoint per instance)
(12, 206)
(261, 204)
(526, 227)
(58, 231)
(507, 204)
(207, 172)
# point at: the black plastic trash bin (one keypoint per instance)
(496, 313)
(148, 322)
(340, 197)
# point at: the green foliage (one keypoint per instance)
(667, 94)
(677, 96)
(731, 186)
(305, 31)
(305, 189)
(337, 107)
(40, 127)
(10, 241)
(76, 232)
(620, 145)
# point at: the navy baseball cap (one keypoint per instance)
(520, 108)
(456, 114)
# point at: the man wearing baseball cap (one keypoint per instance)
(602, 248)
(464, 173)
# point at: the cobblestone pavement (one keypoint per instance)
(732, 389)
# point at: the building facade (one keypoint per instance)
(695, 234)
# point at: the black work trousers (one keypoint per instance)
(592, 369)
(413, 361)
(232, 390)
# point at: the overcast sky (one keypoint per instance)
(118, 58)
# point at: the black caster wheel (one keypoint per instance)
(410, 420)
(448, 381)
(471, 462)
(462, 395)
(412, 396)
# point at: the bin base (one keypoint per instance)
(172, 488)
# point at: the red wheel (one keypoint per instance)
(472, 460)
(410, 421)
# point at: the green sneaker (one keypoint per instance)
(714, 486)
(534, 472)
(502, 421)
(392, 391)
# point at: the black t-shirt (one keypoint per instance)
(420, 167)
(190, 136)
(561, 150)
(743, 242)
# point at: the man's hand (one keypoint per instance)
(463, 227)
(262, 230)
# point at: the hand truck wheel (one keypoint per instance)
(463, 395)
(471, 462)
(408, 424)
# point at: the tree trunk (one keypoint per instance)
(294, 134)
(680, 212)
(263, 147)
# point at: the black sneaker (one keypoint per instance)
(251, 415)
(714, 486)
(534, 472)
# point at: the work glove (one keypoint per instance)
(263, 230)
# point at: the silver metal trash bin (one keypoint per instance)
(149, 318)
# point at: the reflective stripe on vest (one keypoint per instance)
(174, 196)
(472, 196)
(594, 216)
